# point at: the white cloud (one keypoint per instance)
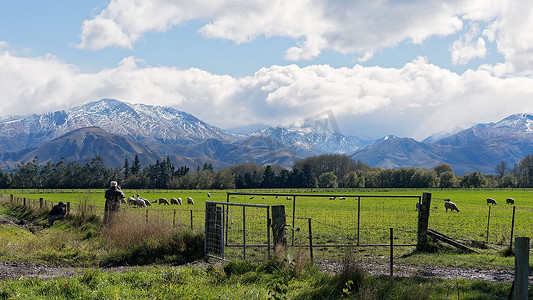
(469, 46)
(416, 100)
(514, 35)
(349, 27)
(360, 27)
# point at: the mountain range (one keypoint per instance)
(116, 131)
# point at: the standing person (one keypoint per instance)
(58, 212)
(113, 197)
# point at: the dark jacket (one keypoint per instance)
(57, 210)
(114, 195)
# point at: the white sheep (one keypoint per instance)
(332, 198)
(174, 201)
(251, 197)
(491, 201)
(146, 202)
(190, 200)
(136, 201)
(163, 201)
(289, 198)
(208, 194)
(450, 205)
(343, 198)
(509, 201)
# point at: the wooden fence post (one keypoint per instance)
(310, 240)
(512, 229)
(488, 225)
(279, 222)
(24, 201)
(41, 202)
(68, 207)
(521, 268)
(423, 221)
(391, 256)
(174, 220)
(191, 219)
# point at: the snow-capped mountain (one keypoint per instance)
(514, 126)
(313, 139)
(478, 148)
(137, 121)
(153, 132)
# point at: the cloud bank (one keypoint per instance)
(350, 27)
(416, 100)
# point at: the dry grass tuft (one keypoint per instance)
(132, 228)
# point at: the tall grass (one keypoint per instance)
(81, 239)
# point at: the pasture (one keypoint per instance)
(337, 222)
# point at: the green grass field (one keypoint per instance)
(337, 222)
(334, 222)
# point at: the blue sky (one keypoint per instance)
(409, 68)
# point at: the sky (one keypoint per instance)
(410, 68)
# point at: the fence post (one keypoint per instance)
(278, 225)
(423, 221)
(146, 216)
(174, 220)
(68, 207)
(41, 202)
(244, 232)
(512, 229)
(191, 219)
(269, 223)
(11, 198)
(310, 239)
(391, 256)
(358, 217)
(24, 201)
(488, 224)
(293, 217)
(521, 268)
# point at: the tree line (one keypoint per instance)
(323, 171)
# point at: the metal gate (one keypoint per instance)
(235, 226)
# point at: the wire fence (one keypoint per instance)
(325, 226)
(178, 217)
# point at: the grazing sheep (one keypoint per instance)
(343, 198)
(263, 198)
(163, 201)
(251, 197)
(450, 205)
(136, 201)
(332, 198)
(141, 203)
(289, 198)
(146, 202)
(277, 197)
(190, 200)
(509, 201)
(176, 201)
(233, 197)
(491, 201)
(208, 194)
